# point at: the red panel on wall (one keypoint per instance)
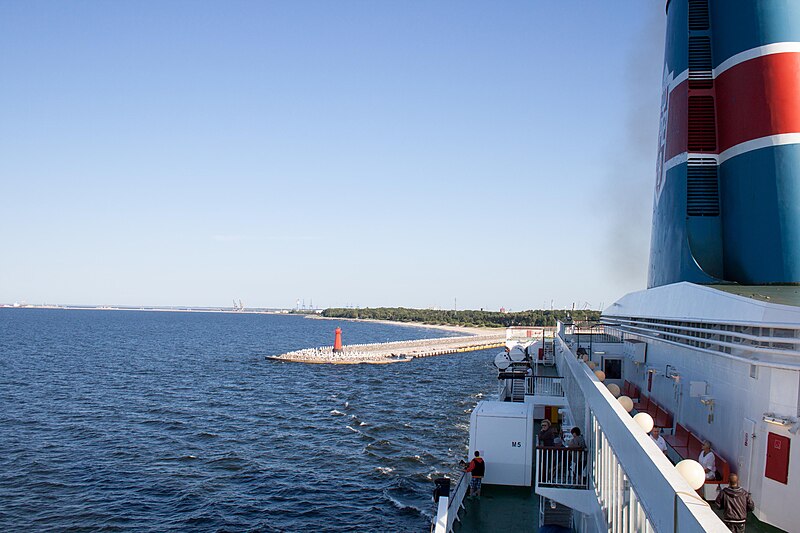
(777, 458)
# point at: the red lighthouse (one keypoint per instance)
(337, 343)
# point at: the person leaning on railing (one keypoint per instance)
(577, 448)
(478, 468)
(547, 435)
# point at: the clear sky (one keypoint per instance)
(368, 153)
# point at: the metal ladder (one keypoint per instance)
(549, 358)
(518, 390)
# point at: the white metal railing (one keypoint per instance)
(545, 386)
(446, 516)
(457, 498)
(636, 486)
(715, 337)
(561, 467)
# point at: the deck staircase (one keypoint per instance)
(560, 516)
(549, 355)
(518, 389)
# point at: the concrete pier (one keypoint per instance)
(394, 352)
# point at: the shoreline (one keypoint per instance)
(465, 330)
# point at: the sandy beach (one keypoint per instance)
(458, 329)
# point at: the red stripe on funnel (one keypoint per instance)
(677, 121)
(758, 98)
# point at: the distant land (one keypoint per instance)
(468, 318)
(180, 309)
(440, 317)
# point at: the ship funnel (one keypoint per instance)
(727, 195)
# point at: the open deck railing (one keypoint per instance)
(636, 487)
(561, 467)
(444, 524)
(545, 386)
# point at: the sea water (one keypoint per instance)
(155, 421)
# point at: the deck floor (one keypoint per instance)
(500, 508)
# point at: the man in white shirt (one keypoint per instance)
(708, 461)
(659, 440)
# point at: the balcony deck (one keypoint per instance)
(500, 508)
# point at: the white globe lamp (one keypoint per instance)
(692, 472)
(626, 403)
(614, 389)
(600, 375)
(645, 421)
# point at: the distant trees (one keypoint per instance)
(463, 318)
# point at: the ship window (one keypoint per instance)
(698, 15)
(612, 368)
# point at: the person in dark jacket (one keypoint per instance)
(735, 503)
(478, 468)
(547, 435)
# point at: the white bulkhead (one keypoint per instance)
(503, 434)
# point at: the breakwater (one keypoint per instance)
(393, 352)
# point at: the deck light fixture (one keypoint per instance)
(671, 373)
(645, 421)
(771, 418)
(707, 400)
(692, 472)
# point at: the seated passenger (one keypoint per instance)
(659, 440)
(708, 461)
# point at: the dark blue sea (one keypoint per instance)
(159, 421)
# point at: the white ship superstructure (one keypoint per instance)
(710, 352)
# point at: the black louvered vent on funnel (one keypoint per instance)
(698, 14)
(702, 124)
(700, 76)
(702, 188)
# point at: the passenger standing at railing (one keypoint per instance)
(478, 468)
(576, 449)
(547, 435)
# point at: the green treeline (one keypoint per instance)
(463, 318)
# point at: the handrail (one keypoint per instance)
(456, 498)
(624, 456)
(546, 385)
(444, 524)
(557, 466)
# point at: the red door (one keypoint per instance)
(777, 458)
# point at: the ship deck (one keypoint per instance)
(775, 294)
(504, 508)
(500, 508)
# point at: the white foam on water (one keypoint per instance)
(400, 505)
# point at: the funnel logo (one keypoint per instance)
(666, 82)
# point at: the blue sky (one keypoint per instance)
(350, 152)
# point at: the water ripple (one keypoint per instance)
(126, 421)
